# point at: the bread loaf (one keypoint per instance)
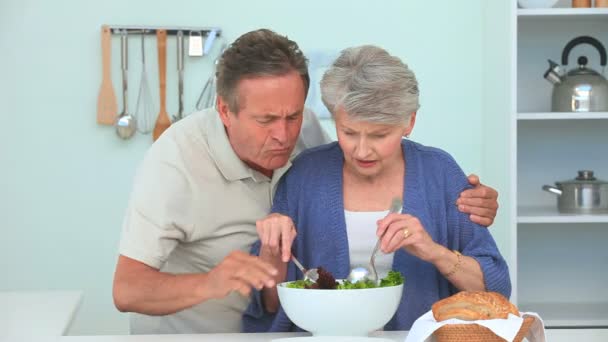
(472, 306)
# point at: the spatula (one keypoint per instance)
(162, 121)
(107, 107)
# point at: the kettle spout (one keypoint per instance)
(554, 73)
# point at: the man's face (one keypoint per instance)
(265, 130)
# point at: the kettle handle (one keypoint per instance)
(584, 40)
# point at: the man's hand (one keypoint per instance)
(481, 202)
(276, 233)
(240, 272)
(144, 289)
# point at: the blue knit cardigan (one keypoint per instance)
(311, 194)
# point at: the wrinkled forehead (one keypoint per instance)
(280, 95)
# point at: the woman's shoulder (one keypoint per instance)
(315, 164)
(322, 153)
(428, 154)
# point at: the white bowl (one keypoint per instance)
(536, 3)
(354, 312)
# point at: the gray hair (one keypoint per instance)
(370, 85)
(258, 53)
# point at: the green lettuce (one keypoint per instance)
(393, 278)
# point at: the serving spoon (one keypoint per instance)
(362, 273)
(311, 274)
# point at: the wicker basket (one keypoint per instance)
(477, 333)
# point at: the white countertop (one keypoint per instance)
(47, 315)
(37, 313)
(553, 335)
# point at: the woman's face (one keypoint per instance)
(370, 148)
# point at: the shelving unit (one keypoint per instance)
(562, 116)
(563, 314)
(560, 259)
(567, 13)
(551, 215)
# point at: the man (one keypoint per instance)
(191, 221)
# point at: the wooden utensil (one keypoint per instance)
(107, 108)
(162, 121)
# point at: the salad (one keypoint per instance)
(327, 281)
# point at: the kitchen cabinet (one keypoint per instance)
(560, 269)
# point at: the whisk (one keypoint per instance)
(208, 96)
(144, 110)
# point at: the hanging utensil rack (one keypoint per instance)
(106, 100)
(171, 30)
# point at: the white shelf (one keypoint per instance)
(569, 314)
(563, 116)
(551, 215)
(536, 13)
(547, 146)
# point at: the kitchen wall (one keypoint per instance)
(494, 138)
(65, 180)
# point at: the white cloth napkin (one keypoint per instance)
(425, 325)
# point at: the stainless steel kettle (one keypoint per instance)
(582, 89)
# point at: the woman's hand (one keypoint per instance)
(406, 231)
(276, 232)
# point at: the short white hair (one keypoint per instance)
(370, 85)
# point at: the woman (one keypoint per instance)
(337, 197)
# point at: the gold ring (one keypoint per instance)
(406, 233)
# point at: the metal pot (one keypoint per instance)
(583, 195)
(582, 89)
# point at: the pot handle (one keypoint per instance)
(584, 40)
(552, 189)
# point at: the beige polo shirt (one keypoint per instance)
(193, 202)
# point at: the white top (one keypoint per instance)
(361, 232)
(26, 314)
(193, 202)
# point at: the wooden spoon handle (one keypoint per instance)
(106, 51)
(161, 38)
(162, 122)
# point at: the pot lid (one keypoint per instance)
(584, 177)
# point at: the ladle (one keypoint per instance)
(361, 273)
(125, 123)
